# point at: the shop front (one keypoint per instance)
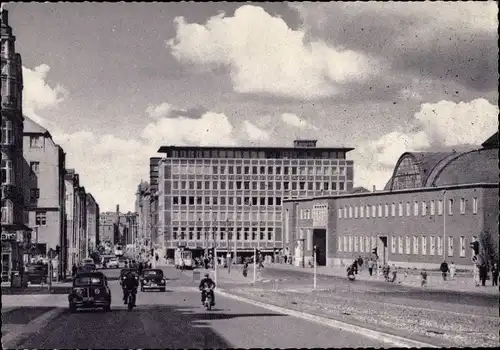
(14, 246)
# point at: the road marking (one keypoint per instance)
(10, 339)
(379, 336)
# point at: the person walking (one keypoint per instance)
(453, 270)
(483, 273)
(370, 267)
(444, 270)
(74, 269)
(494, 274)
(360, 263)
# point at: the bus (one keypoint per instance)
(185, 256)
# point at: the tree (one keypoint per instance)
(489, 247)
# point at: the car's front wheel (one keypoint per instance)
(72, 308)
(107, 308)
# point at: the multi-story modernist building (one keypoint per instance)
(143, 210)
(232, 196)
(71, 186)
(92, 223)
(44, 192)
(15, 232)
(431, 209)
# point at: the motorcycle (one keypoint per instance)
(208, 299)
(131, 296)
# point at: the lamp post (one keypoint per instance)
(228, 254)
(314, 262)
(444, 225)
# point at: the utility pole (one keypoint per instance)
(228, 254)
(254, 265)
(314, 264)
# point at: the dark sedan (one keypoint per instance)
(90, 291)
(153, 279)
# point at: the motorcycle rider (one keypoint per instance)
(130, 284)
(207, 282)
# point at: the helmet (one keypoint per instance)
(207, 275)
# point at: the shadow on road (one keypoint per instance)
(23, 315)
(36, 290)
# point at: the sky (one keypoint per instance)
(113, 82)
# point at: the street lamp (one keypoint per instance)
(444, 225)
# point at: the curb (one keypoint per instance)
(32, 327)
(379, 336)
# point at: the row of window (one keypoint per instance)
(223, 216)
(183, 233)
(319, 214)
(385, 210)
(416, 245)
(256, 170)
(8, 171)
(9, 135)
(256, 185)
(255, 201)
(298, 154)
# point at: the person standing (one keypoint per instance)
(370, 266)
(444, 270)
(494, 274)
(453, 270)
(74, 269)
(483, 273)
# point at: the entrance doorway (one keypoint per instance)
(319, 240)
(6, 267)
(382, 250)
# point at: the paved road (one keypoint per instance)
(380, 291)
(175, 319)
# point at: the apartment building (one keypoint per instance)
(143, 210)
(92, 217)
(71, 185)
(231, 197)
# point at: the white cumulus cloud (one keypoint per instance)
(254, 132)
(442, 124)
(296, 121)
(159, 111)
(266, 56)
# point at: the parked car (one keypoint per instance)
(90, 291)
(36, 273)
(153, 279)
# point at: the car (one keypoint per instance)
(36, 273)
(113, 263)
(124, 272)
(90, 291)
(87, 268)
(153, 279)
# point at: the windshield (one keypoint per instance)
(87, 280)
(153, 273)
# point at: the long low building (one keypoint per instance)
(431, 209)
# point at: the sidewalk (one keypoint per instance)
(235, 276)
(434, 281)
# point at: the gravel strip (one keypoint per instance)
(461, 330)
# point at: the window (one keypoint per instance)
(433, 245)
(41, 218)
(415, 209)
(462, 205)
(361, 244)
(415, 245)
(433, 208)
(462, 246)
(407, 244)
(440, 207)
(400, 245)
(474, 205)
(356, 242)
(345, 212)
(407, 175)
(7, 211)
(380, 210)
(345, 244)
(440, 245)
(7, 132)
(408, 208)
(350, 243)
(36, 142)
(339, 244)
(34, 194)
(386, 210)
(393, 244)
(350, 212)
(356, 211)
(393, 209)
(340, 213)
(424, 245)
(374, 211)
(400, 209)
(367, 211)
(361, 211)
(450, 246)
(450, 206)
(7, 173)
(424, 208)
(367, 244)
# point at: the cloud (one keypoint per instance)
(296, 121)
(266, 56)
(452, 41)
(159, 111)
(37, 94)
(440, 126)
(254, 132)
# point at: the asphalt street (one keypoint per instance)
(176, 319)
(381, 291)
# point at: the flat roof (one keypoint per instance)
(165, 149)
(408, 190)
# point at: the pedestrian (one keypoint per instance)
(423, 275)
(360, 263)
(453, 270)
(444, 269)
(355, 266)
(74, 269)
(140, 268)
(370, 266)
(394, 273)
(245, 269)
(494, 274)
(483, 273)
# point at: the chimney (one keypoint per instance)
(374, 188)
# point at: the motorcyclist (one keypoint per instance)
(130, 284)
(204, 283)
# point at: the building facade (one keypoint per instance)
(92, 217)
(71, 185)
(81, 199)
(107, 228)
(44, 191)
(232, 197)
(156, 233)
(143, 210)
(431, 209)
(16, 235)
